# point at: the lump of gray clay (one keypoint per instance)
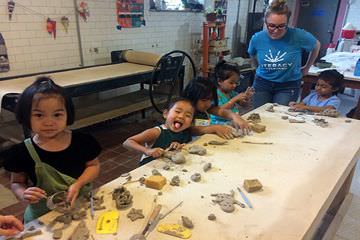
(155, 172)
(270, 108)
(196, 149)
(175, 181)
(178, 158)
(212, 217)
(207, 167)
(175, 157)
(187, 222)
(196, 177)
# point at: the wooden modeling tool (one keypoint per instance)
(107, 223)
(152, 218)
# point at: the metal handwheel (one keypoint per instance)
(168, 78)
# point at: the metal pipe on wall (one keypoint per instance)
(78, 34)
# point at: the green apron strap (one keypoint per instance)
(30, 147)
(50, 180)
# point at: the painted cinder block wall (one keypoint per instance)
(31, 49)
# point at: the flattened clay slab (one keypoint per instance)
(252, 185)
(135, 214)
(81, 232)
(215, 142)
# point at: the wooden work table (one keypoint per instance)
(350, 81)
(302, 172)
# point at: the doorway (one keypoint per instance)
(319, 17)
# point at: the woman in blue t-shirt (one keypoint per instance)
(277, 52)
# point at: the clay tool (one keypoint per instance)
(265, 143)
(92, 205)
(246, 200)
(162, 216)
(57, 202)
(152, 218)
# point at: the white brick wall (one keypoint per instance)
(31, 49)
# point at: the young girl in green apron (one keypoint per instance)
(171, 135)
(54, 158)
(202, 93)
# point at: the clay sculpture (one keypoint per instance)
(196, 149)
(321, 122)
(122, 198)
(135, 214)
(329, 113)
(226, 201)
(254, 117)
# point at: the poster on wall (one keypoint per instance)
(130, 13)
(4, 60)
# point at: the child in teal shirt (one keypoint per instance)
(227, 78)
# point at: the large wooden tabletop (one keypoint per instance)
(302, 172)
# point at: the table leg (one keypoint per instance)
(357, 111)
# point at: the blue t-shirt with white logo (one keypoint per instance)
(280, 59)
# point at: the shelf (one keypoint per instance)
(111, 108)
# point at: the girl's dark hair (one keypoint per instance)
(224, 69)
(278, 7)
(42, 85)
(333, 78)
(200, 88)
(180, 99)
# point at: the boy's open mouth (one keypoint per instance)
(177, 124)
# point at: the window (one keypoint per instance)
(177, 5)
